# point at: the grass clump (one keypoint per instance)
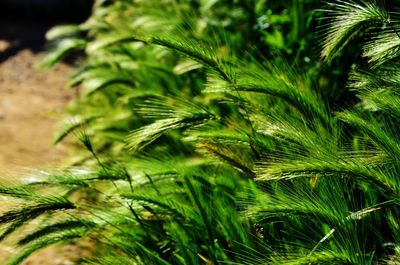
(202, 154)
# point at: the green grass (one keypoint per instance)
(199, 153)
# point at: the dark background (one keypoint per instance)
(24, 23)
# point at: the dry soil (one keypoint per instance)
(31, 103)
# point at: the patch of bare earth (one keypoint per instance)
(31, 104)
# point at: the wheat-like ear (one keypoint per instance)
(346, 19)
(45, 241)
(183, 115)
(381, 138)
(56, 228)
(382, 100)
(189, 47)
(21, 215)
(72, 123)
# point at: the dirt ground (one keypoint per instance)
(31, 103)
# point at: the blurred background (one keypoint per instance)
(23, 23)
(31, 98)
